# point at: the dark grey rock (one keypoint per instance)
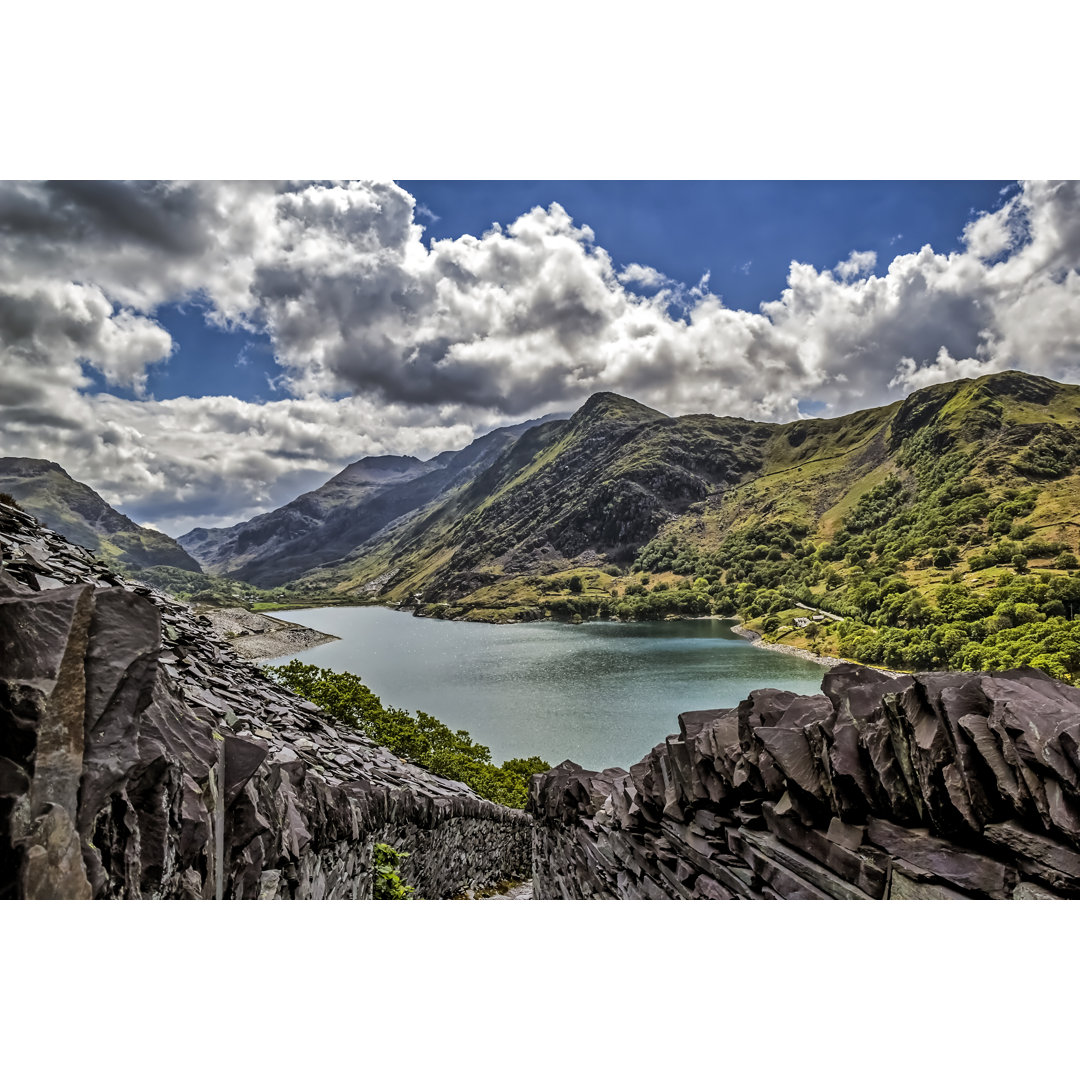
(1053, 858)
(107, 744)
(966, 869)
(881, 787)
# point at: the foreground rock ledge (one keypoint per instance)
(117, 705)
(935, 786)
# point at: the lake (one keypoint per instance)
(602, 693)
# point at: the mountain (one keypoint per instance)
(64, 505)
(937, 531)
(328, 524)
(228, 550)
(591, 489)
(604, 481)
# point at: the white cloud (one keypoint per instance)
(388, 345)
(988, 235)
(943, 368)
(651, 278)
(856, 264)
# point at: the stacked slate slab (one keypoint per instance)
(930, 786)
(116, 703)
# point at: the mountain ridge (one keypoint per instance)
(65, 505)
(328, 523)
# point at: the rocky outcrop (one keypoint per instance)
(932, 786)
(141, 757)
(256, 636)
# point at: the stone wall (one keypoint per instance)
(117, 705)
(933, 786)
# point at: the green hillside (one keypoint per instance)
(64, 505)
(942, 530)
(947, 539)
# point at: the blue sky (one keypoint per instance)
(744, 234)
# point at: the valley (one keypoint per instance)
(941, 531)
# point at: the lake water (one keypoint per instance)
(602, 694)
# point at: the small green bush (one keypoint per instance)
(388, 884)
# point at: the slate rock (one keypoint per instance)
(883, 786)
(106, 750)
(966, 869)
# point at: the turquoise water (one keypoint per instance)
(602, 693)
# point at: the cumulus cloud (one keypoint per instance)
(856, 264)
(390, 345)
(647, 276)
(943, 368)
(988, 235)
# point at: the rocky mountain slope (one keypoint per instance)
(46, 491)
(935, 787)
(325, 525)
(589, 489)
(618, 475)
(140, 757)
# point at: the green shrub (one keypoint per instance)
(418, 738)
(388, 884)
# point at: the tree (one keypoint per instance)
(574, 584)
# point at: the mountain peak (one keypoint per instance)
(1021, 385)
(380, 469)
(28, 466)
(608, 406)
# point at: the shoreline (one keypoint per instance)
(757, 641)
(285, 638)
(256, 636)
